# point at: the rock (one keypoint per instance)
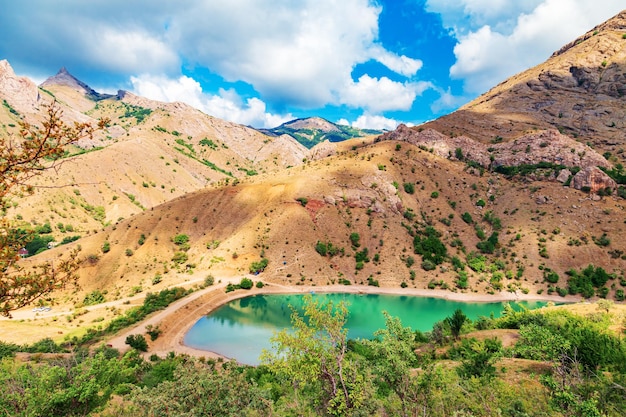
(594, 178)
(563, 176)
(541, 200)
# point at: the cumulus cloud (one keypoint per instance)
(501, 39)
(380, 94)
(400, 64)
(368, 121)
(227, 104)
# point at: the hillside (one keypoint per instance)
(580, 90)
(151, 153)
(169, 196)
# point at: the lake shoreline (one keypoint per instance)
(176, 320)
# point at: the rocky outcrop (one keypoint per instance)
(593, 179)
(323, 150)
(548, 146)
(440, 144)
(20, 93)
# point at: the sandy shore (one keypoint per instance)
(176, 320)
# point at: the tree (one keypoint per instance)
(35, 151)
(456, 322)
(314, 357)
(394, 361)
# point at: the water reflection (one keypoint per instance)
(243, 327)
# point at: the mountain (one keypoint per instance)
(315, 130)
(580, 90)
(500, 196)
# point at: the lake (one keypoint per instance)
(241, 328)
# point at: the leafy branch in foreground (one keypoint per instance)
(35, 151)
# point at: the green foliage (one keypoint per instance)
(467, 218)
(303, 201)
(527, 169)
(409, 187)
(208, 143)
(246, 284)
(137, 341)
(355, 239)
(139, 113)
(481, 203)
(476, 262)
(456, 322)
(540, 343)
(434, 194)
(326, 248)
(180, 239)
(180, 257)
(259, 266)
(314, 358)
(69, 239)
(426, 243)
(602, 240)
(94, 297)
(550, 276)
(489, 245)
(106, 247)
(585, 281)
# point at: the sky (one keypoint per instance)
(364, 63)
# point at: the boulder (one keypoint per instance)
(593, 178)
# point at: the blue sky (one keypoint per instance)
(365, 63)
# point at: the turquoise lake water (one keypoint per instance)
(242, 328)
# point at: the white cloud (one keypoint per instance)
(227, 105)
(497, 41)
(380, 94)
(368, 121)
(129, 51)
(447, 101)
(398, 63)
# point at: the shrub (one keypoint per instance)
(180, 239)
(153, 331)
(355, 239)
(137, 341)
(106, 247)
(180, 258)
(94, 297)
(467, 218)
(303, 201)
(246, 283)
(434, 194)
(259, 284)
(209, 280)
(258, 267)
(409, 187)
(481, 203)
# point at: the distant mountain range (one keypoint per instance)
(314, 130)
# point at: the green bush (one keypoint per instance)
(467, 218)
(94, 297)
(409, 187)
(137, 341)
(246, 283)
(180, 239)
(106, 247)
(259, 266)
(355, 239)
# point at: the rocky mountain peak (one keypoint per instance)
(64, 78)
